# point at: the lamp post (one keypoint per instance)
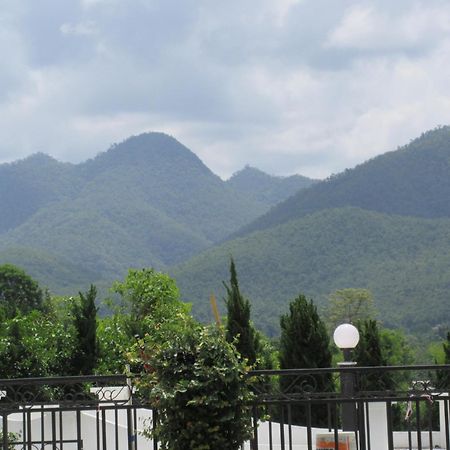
(346, 337)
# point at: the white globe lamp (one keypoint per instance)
(346, 336)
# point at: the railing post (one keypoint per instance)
(5, 430)
(348, 409)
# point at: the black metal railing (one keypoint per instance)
(373, 408)
(378, 407)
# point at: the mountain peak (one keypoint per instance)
(153, 148)
(268, 189)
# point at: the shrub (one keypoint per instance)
(199, 386)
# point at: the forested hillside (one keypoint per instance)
(31, 184)
(411, 181)
(265, 188)
(404, 261)
(148, 201)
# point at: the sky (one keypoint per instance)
(287, 86)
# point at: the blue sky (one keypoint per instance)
(288, 86)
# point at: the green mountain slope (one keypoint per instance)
(411, 181)
(404, 261)
(265, 188)
(32, 183)
(148, 201)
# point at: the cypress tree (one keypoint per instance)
(85, 320)
(304, 343)
(443, 376)
(238, 320)
(368, 353)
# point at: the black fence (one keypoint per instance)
(363, 408)
(343, 408)
(94, 412)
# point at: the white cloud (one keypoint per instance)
(310, 86)
(368, 27)
(82, 28)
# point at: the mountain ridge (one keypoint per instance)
(413, 180)
(147, 201)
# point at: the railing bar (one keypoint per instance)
(361, 426)
(135, 428)
(28, 425)
(104, 429)
(155, 421)
(366, 407)
(97, 427)
(389, 426)
(430, 424)
(409, 435)
(79, 441)
(116, 428)
(5, 431)
(290, 425)
(61, 431)
(25, 429)
(54, 431)
(283, 445)
(255, 428)
(329, 416)
(419, 430)
(359, 369)
(42, 426)
(309, 425)
(130, 435)
(447, 437)
(336, 426)
(270, 435)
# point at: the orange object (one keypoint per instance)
(327, 443)
(215, 309)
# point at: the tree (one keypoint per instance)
(369, 352)
(144, 289)
(18, 291)
(150, 308)
(238, 325)
(17, 361)
(350, 305)
(304, 343)
(443, 376)
(85, 320)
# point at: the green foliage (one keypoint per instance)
(84, 359)
(35, 345)
(150, 308)
(239, 328)
(443, 376)
(19, 293)
(143, 290)
(114, 343)
(12, 439)
(304, 343)
(369, 353)
(401, 260)
(199, 385)
(350, 305)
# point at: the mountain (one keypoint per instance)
(265, 188)
(411, 181)
(404, 261)
(32, 183)
(148, 201)
(384, 225)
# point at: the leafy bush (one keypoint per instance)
(198, 384)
